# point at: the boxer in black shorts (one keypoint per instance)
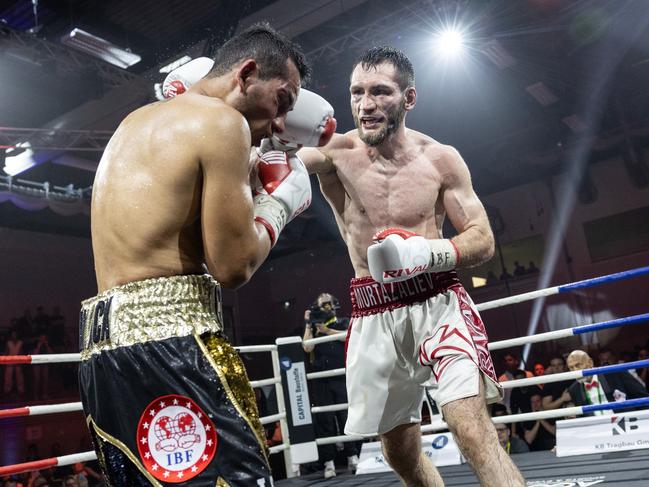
(166, 398)
(183, 407)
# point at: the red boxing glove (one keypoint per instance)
(283, 191)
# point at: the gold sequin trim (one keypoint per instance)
(228, 365)
(149, 310)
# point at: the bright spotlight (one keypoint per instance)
(450, 43)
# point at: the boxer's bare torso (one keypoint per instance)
(413, 187)
(165, 163)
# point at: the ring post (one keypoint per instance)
(301, 433)
(281, 408)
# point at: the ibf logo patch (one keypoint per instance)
(175, 438)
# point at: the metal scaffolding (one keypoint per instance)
(38, 51)
(55, 139)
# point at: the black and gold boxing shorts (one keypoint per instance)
(166, 397)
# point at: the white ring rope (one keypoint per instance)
(272, 418)
(266, 382)
(326, 373)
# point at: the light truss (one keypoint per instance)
(55, 139)
(38, 51)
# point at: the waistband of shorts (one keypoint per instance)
(149, 310)
(371, 297)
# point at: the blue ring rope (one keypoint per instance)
(631, 403)
(595, 281)
(629, 320)
(606, 369)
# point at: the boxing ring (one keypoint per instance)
(628, 468)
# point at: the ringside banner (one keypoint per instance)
(441, 449)
(298, 405)
(599, 434)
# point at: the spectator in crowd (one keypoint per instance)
(532, 269)
(512, 363)
(11, 481)
(539, 369)
(53, 475)
(84, 475)
(539, 434)
(520, 400)
(601, 389)
(71, 481)
(520, 397)
(36, 479)
(321, 320)
(14, 346)
(41, 371)
(519, 270)
(555, 394)
(511, 444)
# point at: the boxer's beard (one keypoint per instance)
(393, 119)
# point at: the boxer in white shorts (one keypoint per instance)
(383, 175)
(406, 336)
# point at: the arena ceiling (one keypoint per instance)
(537, 77)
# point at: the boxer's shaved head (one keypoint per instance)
(267, 47)
(404, 72)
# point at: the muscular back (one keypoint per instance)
(148, 191)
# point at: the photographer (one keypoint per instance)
(320, 320)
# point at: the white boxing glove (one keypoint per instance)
(397, 255)
(181, 79)
(283, 191)
(311, 123)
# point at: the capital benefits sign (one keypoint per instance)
(600, 434)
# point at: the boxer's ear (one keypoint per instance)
(247, 70)
(410, 96)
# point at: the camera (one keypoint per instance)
(318, 315)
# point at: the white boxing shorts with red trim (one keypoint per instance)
(405, 336)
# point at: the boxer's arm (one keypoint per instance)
(475, 241)
(315, 160)
(319, 160)
(234, 244)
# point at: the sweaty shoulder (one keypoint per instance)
(209, 122)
